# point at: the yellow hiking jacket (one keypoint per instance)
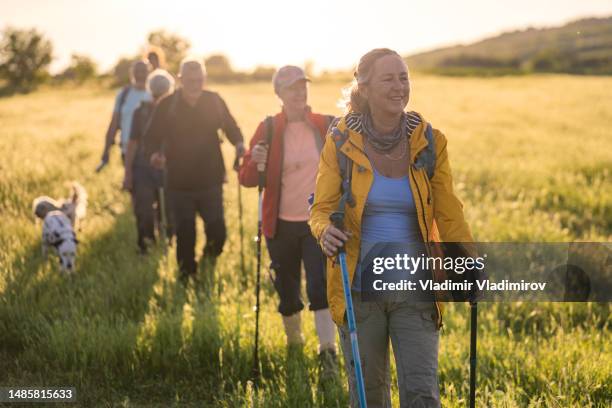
(435, 199)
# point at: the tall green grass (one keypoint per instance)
(531, 158)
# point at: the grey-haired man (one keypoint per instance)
(183, 136)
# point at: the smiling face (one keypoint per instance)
(388, 89)
(295, 96)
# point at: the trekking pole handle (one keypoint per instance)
(337, 220)
(261, 172)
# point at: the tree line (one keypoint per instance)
(26, 54)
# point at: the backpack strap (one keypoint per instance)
(269, 128)
(431, 152)
(346, 168)
(122, 98)
(269, 135)
(427, 158)
(329, 121)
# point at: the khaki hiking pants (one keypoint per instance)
(412, 330)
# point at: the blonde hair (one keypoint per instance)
(353, 100)
(159, 53)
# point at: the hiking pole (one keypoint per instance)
(337, 219)
(473, 333)
(163, 219)
(261, 167)
(241, 229)
(101, 165)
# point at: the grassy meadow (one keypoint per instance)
(531, 157)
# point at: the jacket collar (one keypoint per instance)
(352, 124)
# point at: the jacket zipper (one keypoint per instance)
(428, 187)
(439, 312)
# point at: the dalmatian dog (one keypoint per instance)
(57, 233)
(59, 218)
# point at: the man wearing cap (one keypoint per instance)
(183, 137)
(289, 143)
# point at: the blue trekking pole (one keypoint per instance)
(337, 219)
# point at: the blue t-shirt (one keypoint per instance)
(132, 101)
(389, 216)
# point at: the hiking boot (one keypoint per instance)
(328, 364)
(329, 386)
(293, 329)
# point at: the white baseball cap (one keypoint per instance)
(287, 76)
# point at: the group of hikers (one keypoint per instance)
(169, 137)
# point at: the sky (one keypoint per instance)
(332, 34)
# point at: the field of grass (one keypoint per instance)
(531, 156)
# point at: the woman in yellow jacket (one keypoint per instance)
(394, 201)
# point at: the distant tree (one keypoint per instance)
(263, 73)
(218, 67)
(174, 46)
(552, 60)
(81, 68)
(24, 58)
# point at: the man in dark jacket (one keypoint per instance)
(183, 137)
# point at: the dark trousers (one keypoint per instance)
(208, 204)
(147, 209)
(292, 245)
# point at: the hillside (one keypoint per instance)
(579, 47)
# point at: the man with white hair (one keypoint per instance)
(126, 102)
(183, 137)
(141, 179)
